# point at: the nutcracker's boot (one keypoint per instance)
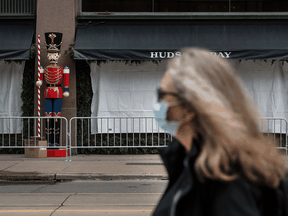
(56, 131)
(49, 132)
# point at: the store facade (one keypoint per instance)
(16, 38)
(149, 33)
(256, 47)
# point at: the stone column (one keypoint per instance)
(58, 16)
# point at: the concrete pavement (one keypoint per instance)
(79, 204)
(86, 167)
(93, 167)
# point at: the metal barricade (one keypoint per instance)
(117, 132)
(22, 132)
(143, 132)
(275, 128)
(109, 132)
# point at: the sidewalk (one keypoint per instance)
(93, 167)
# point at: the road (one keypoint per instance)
(137, 197)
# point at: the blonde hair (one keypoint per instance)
(227, 119)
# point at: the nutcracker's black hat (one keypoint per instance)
(53, 41)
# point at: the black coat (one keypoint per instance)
(185, 195)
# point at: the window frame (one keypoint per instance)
(179, 15)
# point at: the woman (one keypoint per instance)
(218, 163)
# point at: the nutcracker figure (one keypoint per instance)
(54, 74)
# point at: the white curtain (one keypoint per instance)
(267, 83)
(121, 90)
(11, 75)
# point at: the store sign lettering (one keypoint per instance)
(222, 54)
(165, 55)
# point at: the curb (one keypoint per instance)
(27, 177)
(79, 176)
(109, 177)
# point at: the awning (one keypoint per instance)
(160, 41)
(15, 41)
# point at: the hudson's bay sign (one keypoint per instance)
(165, 55)
(127, 54)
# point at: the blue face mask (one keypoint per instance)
(160, 111)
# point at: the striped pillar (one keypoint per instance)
(38, 86)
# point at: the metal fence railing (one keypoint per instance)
(143, 132)
(117, 132)
(277, 129)
(18, 6)
(22, 132)
(107, 132)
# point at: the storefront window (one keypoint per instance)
(117, 5)
(185, 5)
(191, 6)
(259, 6)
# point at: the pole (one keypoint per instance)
(39, 129)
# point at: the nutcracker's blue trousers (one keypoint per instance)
(53, 106)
